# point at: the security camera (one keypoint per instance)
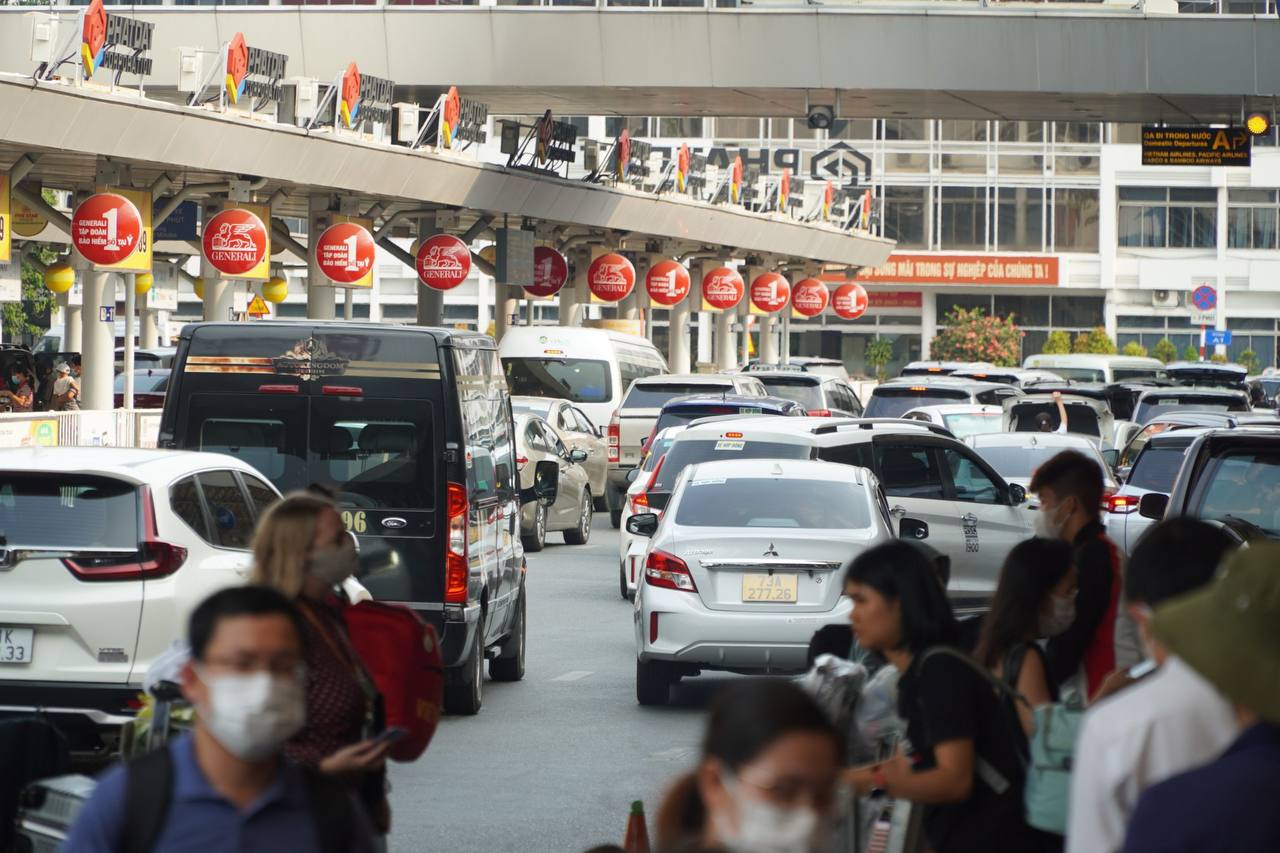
(820, 118)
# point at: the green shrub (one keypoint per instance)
(1165, 350)
(879, 353)
(1058, 343)
(1094, 341)
(1190, 353)
(1135, 348)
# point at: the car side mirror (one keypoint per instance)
(644, 442)
(546, 484)
(578, 455)
(632, 475)
(1122, 473)
(1111, 456)
(1017, 494)
(1153, 505)
(910, 528)
(643, 524)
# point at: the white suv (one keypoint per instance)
(105, 553)
(937, 488)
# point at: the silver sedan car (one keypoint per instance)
(746, 564)
(536, 441)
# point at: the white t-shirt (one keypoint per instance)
(1172, 721)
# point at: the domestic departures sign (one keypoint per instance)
(1196, 146)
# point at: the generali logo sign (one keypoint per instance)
(237, 244)
(611, 277)
(722, 289)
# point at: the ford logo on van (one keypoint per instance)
(394, 523)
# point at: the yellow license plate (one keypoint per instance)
(779, 588)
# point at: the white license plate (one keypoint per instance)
(776, 588)
(15, 644)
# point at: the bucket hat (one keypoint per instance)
(1229, 631)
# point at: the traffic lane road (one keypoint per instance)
(552, 763)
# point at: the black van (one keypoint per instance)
(412, 427)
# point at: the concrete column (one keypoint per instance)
(130, 326)
(149, 329)
(678, 335)
(72, 322)
(484, 302)
(749, 275)
(97, 350)
(1221, 265)
(705, 353)
(769, 339)
(784, 343)
(321, 296)
(218, 293)
(629, 308)
(504, 306)
(726, 347)
(568, 296)
(928, 324)
(430, 302)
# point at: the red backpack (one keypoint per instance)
(402, 653)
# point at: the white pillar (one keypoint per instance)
(1221, 265)
(97, 350)
(785, 336)
(130, 305)
(705, 351)
(430, 302)
(504, 306)
(928, 323)
(72, 320)
(769, 339)
(321, 297)
(484, 302)
(629, 308)
(678, 333)
(569, 293)
(349, 304)
(149, 329)
(218, 293)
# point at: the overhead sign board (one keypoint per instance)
(364, 99)
(849, 302)
(1217, 338)
(106, 229)
(809, 298)
(181, 224)
(555, 140)
(345, 252)
(668, 283)
(237, 243)
(770, 293)
(114, 42)
(443, 262)
(461, 120)
(253, 72)
(1196, 146)
(964, 269)
(550, 272)
(722, 289)
(611, 277)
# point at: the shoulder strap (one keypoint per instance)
(993, 682)
(1013, 664)
(330, 805)
(148, 788)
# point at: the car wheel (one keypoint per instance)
(653, 682)
(536, 538)
(601, 503)
(615, 518)
(464, 685)
(622, 580)
(509, 664)
(580, 534)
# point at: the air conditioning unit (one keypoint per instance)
(1166, 298)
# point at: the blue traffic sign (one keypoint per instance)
(1205, 297)
(107, 313)
(1217, 338)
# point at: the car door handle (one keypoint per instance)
(898, 511)
(969, 519)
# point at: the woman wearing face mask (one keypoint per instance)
(963, 757)
(302, 549)
(1035, 599)
(766, 781)
(21, 397)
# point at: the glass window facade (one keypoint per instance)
(1251, 219)
(1020, 219)
(1168, 217)
(962, 218)
(1075, 220)
(904, 217)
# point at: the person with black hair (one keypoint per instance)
(1069, 487)
(1035, 598)
(766, 780)
(1167, 723)
(963, 761)
(227, 785)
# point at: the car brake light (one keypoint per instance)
(341, 391)
(1122, 504)
(733, 435)
(278, 389)
(668, 571)
(639, 503)
(918, 388)
(153, 559)
(615, 439)
(456, 570)
(819, 413)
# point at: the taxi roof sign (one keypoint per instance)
(258, 307)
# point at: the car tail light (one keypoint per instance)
(668, 571)
(153, 559)
(456, 570)
(1122, 504)
(819, 413)
(341, 391)
(653, 627)
(639, 503)
(521, 461)
(615, 439)
(278, 389)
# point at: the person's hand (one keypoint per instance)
(1113, 683)
(1057, 395)
(358, 758)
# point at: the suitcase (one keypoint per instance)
(47, 810)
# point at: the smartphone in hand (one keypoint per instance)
(390, 735)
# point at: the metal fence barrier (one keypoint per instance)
(115, 428)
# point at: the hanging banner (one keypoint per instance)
(237, 243)
(443, 262)
(550, 272)
(809, 298)
(345, 252)
(770, 293)
(849, 302)
(668, 283)
(6, 220)
(611, 277)
(784, 190)
(722, 289)
(106, 229)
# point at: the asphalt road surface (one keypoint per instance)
(553, 762)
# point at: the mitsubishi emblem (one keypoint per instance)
(770, 551)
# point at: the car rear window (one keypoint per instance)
(1157, 467)
(1127, 374)
(1080, 419)
(1155, 405)
(578, 379)
(1021, 462)
(685, 453)
(687, 414)
(805, 392)
(72, 511)
(974, 423)
(655, 395)
(1080, 374)
(144, 383)
(773, 502)
(896, 402)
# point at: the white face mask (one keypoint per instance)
(333, 565)
(1060, 617)
(1049, 523)
(763, 827)
(252, 715)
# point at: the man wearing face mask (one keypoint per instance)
(1167, 723)
(1069, 487)
(227, 787)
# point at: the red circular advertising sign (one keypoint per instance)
(345, 252)
(234, 241)
(611, 277)
(443, 262)
(722, 288)
(770, 292)
(849, 301)
(668, 283)
(550, 272)
(106, 229)
(809, 297)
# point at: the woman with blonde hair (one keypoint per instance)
(302, 549)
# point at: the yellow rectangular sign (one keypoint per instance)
(6, 221)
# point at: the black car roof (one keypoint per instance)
(455, 337)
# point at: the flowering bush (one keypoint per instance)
(971, 335)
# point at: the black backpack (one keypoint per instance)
(149, 788)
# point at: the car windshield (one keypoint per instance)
(806, 393)
(1021, 462)
(655, 395)
(71, 511)
(896, 402)
(1080, 374)
(973, 423)
(1154, 406)
(1129, 374)
(1243, 485)
(578, 379)
(1028, 417)
(144, 382)
(686, 414)
(1157, 467)
(773, 502)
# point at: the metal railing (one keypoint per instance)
(114, 428)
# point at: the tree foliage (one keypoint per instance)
(1190, 353)
(1165, 350)
(1094, 341)
(879, 353)
(26, 320)
(971, 335)
(1134, 348)
(1058, 343)
(1249, 361)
